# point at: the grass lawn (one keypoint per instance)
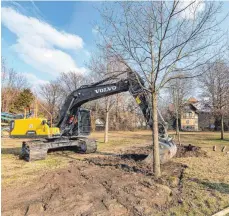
(205, 184)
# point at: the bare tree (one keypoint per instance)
(12, 84)
(54, 94)
(103, 66)
(215, 85)
(69, 82)
(51, 94)
(179, 90)
(162, 41)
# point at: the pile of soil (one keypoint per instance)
(116, 184)
(87, 189)
(190, 151)
(182, 151)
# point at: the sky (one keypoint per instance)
(43, 39)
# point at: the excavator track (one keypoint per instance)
(33, 150)
(38, 149)
(88, 146)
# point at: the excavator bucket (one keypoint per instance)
(168, 149)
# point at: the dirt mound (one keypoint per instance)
(87, 189)
(109, 184)
(140, 153)
(190, 151)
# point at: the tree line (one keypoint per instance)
(16, 92)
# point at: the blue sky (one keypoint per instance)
(42, 39)
(64, 20)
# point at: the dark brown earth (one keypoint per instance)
(190, 151)
(110, 184)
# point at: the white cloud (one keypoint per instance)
(196, 6)
(39, 44)
(34, 81)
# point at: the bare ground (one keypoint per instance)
(86, 189)
(115, 184)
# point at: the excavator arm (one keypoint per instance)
(133, 83)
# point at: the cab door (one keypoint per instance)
(84, 122)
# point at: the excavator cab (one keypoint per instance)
(84, 122)
(79, 123)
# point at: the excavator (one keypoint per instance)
(74, 123)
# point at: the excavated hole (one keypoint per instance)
(135, 157)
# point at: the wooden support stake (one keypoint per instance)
(223, 149)
(214, 148)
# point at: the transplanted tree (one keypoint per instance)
(215, 85)
(162, 41)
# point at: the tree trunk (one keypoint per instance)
(177, 125)
(222, 127)
(93, 119)
(154, 157)
(93, 122)
(177, 128)
(106, 123)
(156, 153)
(116, 114)
(135, 121)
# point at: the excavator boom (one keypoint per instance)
(134, 84)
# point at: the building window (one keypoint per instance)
(187, 121)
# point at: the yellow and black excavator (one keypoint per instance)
(74, 124)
